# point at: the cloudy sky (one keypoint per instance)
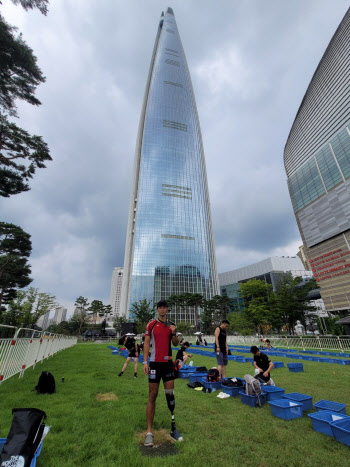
(250, 61)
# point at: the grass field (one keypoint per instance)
(87, 431)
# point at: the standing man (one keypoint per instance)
(134, 351)
(221, 348)
(161, 335)
(262, 363)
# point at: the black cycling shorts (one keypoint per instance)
(132, 353)
(160, 370)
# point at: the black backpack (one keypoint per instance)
(213, 375)
(46, 383)
(24, 437)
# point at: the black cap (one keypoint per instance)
(162, 303)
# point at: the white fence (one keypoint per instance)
(341, 343)
(26, 347)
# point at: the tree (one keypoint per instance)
(15, 248)
(20, 153)
(107, 309)
(292, 299)
(239, 323)
(207, 316)
(184, 328)
(96, 308)
(118, 322)
(82, 303)
(25, 310)
(16, 147)
(143, 312)
(195, 300)
(259, 303)
(78, 323)
(30, 4)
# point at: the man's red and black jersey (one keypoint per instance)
(160, 335)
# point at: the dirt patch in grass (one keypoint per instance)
(164, 445)
(109, 396)
(159, 437)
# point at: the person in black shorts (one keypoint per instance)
(262, 363)
(134, 351)
(182, 355)
(161, 334)
(267, 342)
(221, 348)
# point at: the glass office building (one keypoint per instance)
(317, 163)
(169, 246)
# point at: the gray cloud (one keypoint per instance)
(250, 63)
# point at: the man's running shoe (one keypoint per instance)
(176, 435)
(135, 375)
(120, 374)
(149, 440)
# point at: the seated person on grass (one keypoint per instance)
(182, 355)
(262, 363)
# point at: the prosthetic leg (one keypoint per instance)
(170, 398)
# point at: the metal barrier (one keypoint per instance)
(339, 343)
(27, 347)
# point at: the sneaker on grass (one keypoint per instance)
(120, 374)
(149, 439)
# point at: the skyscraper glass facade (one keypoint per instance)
(169, 246)
(317, 163)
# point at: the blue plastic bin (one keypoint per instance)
(232, 391)
(197, 376)
(343, 362)
(321, 421)
(240, 360)
(252, 401)
(278, 364)
(36, 454)
(286, 409)
(183, 374)
(330, 405)
(341, 430)
(302, 398)
(273, 392)
(207, 385)
(295, 367)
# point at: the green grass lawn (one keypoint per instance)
(88, 432)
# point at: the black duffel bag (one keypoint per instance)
(24, 437)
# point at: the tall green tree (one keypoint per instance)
(195, 300)
(259, 303)
(143, 312)
(31, 4)
(118, 322)
(292, 300)
(27, 307)
(20, 153)
(107, 309)
(78, 323)
(96, 308)
(82, 304)
(15, 248)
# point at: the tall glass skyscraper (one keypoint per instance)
(317, 163)
(169, 245)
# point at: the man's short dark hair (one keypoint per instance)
(225, 321)
(254, 349)
(162, 303)
(186, 344)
